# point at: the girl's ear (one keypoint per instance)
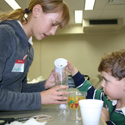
(37, 9)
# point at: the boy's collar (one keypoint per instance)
(114, 103)
(123, 110)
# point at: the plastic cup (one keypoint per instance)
(73, 104)
(91, 111)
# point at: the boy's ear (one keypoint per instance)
(37, 9)
(124, 86)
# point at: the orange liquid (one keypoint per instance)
(73, 101)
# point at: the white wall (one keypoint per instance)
(83, 51)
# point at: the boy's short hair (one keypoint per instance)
(114, 63)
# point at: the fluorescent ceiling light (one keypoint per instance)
(89, 4)
(13, 4)
(78, 16)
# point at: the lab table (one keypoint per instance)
(52, 110)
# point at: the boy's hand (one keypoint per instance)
(105, 114)
(71, 69)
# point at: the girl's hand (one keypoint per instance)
(54, 96)
(50, 82)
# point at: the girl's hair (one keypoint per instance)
(114, 63)
(48, 6)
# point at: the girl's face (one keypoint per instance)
(112, 87)
(44, 23)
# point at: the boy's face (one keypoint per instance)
(113, 88)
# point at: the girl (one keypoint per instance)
(40, 19)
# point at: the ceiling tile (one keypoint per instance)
(4, 6)
(23, 4)
(92, 14)
(100, 4)
(122, 14)
(110, 14)
(114, 7)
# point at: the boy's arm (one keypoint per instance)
(110, 123)
(79, 79)
(84, 85)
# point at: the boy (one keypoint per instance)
(112, 69)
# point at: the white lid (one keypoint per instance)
(62, 106)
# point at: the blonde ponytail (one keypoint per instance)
(14, 15)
